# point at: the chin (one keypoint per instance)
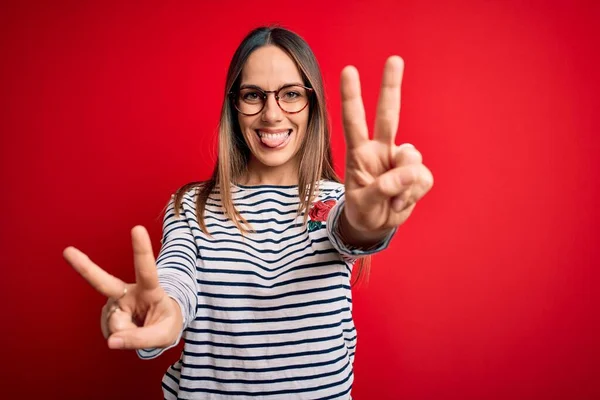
(274, 160)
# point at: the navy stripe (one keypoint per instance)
(274, 285)
(257, 203)
(261, 333)
(235, 250)
(172, 377)
(275, 296)
(274, 308)
(246, 187)
(257, 212)
(268, 393)
(254, 193)
(271, 369)
(264, 356)
(350, 339)
(267, 320)
(335, 261)
(168, 389)
(337, 396)
(249, 239)
(264, 381)
(255, 221)
(254, 273)
(258, 231)
(258, 345)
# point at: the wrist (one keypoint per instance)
(357, 237)
(177, 312)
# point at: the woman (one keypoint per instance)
(254, 269)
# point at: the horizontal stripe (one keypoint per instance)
(253, 382)
(271, 320)
(306, 244)
(266, 393)
(258, 345)
(276, 284)
(271, 332)
(247, 238)
(281, 282)
(254, 273)
(264, 356)
(274, 308)
(257, 203)
(258, 231)
(275, 296)
(270, 369)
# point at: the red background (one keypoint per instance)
(487, 292)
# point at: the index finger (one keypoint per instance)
(353, 110)
(143, 259)
(99, 279)
(388, 107)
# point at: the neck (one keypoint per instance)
(260, 174)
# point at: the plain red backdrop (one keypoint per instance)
(487, 292)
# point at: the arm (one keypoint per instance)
(176, 264)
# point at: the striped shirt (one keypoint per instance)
(267, 315)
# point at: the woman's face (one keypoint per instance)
(273, 136)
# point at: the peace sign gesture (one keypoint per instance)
(383, 181)
(139, 315)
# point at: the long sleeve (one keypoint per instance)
(350, 253)
(176, 265)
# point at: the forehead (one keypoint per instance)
(269, 67)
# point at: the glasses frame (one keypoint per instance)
(265, 95)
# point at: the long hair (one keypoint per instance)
(316, 162)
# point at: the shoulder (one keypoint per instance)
(186, 197)
(191, 191)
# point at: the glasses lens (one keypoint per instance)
(249, 101)
(293, 98)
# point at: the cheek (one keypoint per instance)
(245, 123)
(242, 123)
(302, 124)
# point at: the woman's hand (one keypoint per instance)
(139, 315)
(383, 181)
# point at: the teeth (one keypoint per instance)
(272, 135)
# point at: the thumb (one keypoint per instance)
(120, 321)
(162, 334)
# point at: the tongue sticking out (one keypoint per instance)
(273, 141)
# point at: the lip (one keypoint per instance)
(270, 130)
(273, 131)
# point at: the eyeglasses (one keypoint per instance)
(251, 100)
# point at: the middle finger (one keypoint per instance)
(388, 107)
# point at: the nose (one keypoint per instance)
(271, 112)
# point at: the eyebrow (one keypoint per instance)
(250, 86)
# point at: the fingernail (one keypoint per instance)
(115, 343)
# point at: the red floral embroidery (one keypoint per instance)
(320, 210)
